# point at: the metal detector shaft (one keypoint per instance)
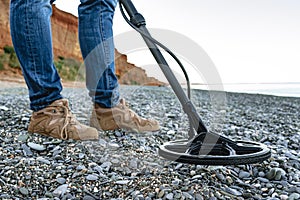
(138, 20)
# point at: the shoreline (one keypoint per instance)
(13, 82)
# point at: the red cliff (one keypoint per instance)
(65, 44)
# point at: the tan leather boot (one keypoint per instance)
(121, 117)
(56, 120)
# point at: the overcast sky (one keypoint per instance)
(249, 41)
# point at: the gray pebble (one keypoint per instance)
(36, 147)
(61, 180)
(133, 163)
(261, 174)
(161, 194)
(91, 177)
(176, 182)
(4, 108)
(87, 197)
(114, 146)
(233, 191)
(23, 138)
(60, 190)
(80, 167)
(264, 180)
(43, 160)
(244, 174)
(170, 196)
(122, 182)
(81, 155)
(102, 143)
(187, 195)
(24, 191)
(26, 150)
(294, 196)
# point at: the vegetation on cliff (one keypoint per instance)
(9, 58)
(67, 68)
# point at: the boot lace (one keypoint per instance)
(68, 119)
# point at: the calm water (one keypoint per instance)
(278, 89)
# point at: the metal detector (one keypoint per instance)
(195, 149)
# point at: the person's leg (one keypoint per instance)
(32, 40)
(31, 35)
(97, 47)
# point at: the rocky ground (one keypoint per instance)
(125, 165)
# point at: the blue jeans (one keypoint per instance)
(32, 39)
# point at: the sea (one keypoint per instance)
(277, 89)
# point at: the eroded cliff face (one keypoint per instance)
(65, 44)
(5, 38)
(65, 34)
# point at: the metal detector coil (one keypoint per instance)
(195, 149)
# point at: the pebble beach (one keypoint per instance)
(126, 165)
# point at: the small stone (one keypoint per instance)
(261, 174)
(58, 157)
(115, 161)
(118, 133)
(193, 173)
(61, 180)
(106, 166)
(91, 177)
(178, 166)
(294, 189)
(275, 174)
(247, 195)
(187, 195)
(198, 197)
(61, 190)
(171, 132)
(229, 180)
(271, 174)
(24, 191)
(176, 182)
(23, 138)
(244, 174)
(271, 191)
(283, 197)
(221, 177)
(279, 174)
(233, 191)
(81, 155)
(170, 196)
(95, 190)
(80, 167)
(43, 160)
(36, 147)
(4, 108)
(294, 196)
(161, 194)
(25, 119)
(122, 182)
(102, 143)
(56, 141)
(135, 193)
(133, 163)
(196, 177)
(264, 180)
(26, 150)
(87, 197)
(113, 145)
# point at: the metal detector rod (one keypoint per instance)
(138, 20)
